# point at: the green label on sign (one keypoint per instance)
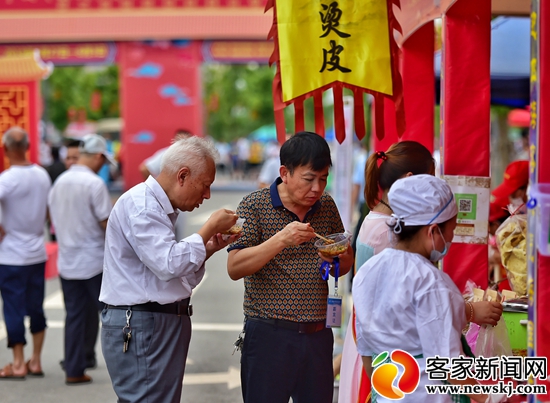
(467, 206)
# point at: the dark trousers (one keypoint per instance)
(22, 289)
(152, 368)
(81, 322)
(278, 364)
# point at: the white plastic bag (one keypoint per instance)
(493, 341)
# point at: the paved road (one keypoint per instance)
(212, 373)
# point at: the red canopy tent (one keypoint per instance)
(465, 121)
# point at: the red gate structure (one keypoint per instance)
(159, 46)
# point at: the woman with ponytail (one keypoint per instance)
(381, 171)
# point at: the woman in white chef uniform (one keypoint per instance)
(402, 300)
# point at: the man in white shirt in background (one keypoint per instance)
(80, 205)
(72, 153)
(23, 201)
(151, 165)
(148, 276)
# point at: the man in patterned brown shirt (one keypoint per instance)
(287, 350)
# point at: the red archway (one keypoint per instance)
(159, 46)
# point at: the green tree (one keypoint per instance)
(73, 87)
(238, 99)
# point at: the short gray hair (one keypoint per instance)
(11, 142)
(189, 152)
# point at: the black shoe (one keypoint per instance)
(90, 364)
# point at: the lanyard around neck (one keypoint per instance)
(325, 271)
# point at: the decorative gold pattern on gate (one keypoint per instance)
(14, 110)
(14, 107)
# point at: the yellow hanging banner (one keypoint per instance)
(325, 41)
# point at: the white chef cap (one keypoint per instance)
(420, 200)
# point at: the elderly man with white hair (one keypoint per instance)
(148, 276)
(24, 188)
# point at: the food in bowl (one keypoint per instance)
(235, 229)
(331, 250)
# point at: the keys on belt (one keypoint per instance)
(127, 331)
(178, 308)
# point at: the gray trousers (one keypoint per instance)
(152, 369)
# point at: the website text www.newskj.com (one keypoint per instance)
(505, 388)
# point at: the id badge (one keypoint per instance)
(334, 311)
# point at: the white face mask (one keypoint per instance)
(436, 255)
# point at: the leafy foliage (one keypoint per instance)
(73, 87)
(237, 99)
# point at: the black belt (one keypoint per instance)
(176, 308)
(300, 327)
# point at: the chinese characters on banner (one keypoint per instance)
(327, 44)
(329, 21)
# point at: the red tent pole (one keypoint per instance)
(419, 85)
(417, 70)
(465, 110)
(539, 283)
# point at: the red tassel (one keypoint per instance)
(339, 121)
(397, 96)
(359, 113)
(379, 116)
(319, 113)
(278, 92)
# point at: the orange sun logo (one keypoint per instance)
(386, 373)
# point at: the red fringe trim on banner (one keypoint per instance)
(359, 114)
(337, 87)
(339, 122)
(379, 116)
(396, 75)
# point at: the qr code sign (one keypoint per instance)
(465, 205)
